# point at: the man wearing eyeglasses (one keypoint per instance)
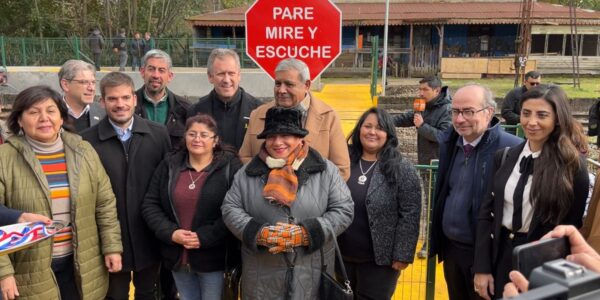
(511, 107)
(431, 122)
(466, 156)
(228, 103)
(77, 79)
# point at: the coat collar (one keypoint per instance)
(106, 131)
(314, 163)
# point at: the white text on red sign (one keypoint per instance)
(292, 32)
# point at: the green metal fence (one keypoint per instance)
(185, 52)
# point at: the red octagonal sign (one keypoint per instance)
(309, 30)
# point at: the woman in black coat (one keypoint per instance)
(183, 208)
(381, 240)
(537, 185)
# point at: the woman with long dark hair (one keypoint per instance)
(183, 208)
(381, 240)
(538, 184)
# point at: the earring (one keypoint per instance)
(61, 130)
(21, 132)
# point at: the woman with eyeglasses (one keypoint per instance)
(381, 240)
(182, 207)
(541, 183)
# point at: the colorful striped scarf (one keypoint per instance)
(282, 184)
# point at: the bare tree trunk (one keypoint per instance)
(84, 22)
(128, 16)
(108, 29)
(150, 15)
(134, 9)
(39, 18)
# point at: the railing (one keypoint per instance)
(35, 51)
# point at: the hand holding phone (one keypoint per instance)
(532, 255)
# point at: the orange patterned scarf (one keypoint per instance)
(282, 183)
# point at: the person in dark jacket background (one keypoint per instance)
(96, 44)
(431, 122)
(130, 149)
(594, 120)
(155, 101)
(385, 188)
(120, 47)
(228, 103)
(466, 156)
(511, 107)
(183, 209)
(136, 49)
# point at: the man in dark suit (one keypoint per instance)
(227, 103)
(130, 149)
(77, 79)
(466, 156)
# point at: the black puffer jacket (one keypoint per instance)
(437, 119)
(157, 210)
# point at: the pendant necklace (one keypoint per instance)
(363, 178)
(193, 184)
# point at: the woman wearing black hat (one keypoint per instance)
(283, 206)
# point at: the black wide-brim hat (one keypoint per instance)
(283, 121)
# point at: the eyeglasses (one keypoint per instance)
(467, 113)
(84, 82)
(201, 135)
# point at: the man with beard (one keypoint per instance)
(155, 101)
(130, 149)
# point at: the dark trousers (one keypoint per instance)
(458, 261)
(370, 281)
(168, 291)
(65, 277)
(97, 61)
(144, 282)
(504, 263)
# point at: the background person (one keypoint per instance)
(96, 44)
(137, 51)
(511, 107)
(542, 183)
(120, 47)
(45, 164)
(386, 192)
(431, 122)
(183, 208)
(285, 205)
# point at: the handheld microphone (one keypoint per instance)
(419, 105)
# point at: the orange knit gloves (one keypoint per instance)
(282, 237)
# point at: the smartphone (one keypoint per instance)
(532, 255)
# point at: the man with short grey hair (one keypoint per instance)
(155, 101)
(466, 157)
(77, 79)
(292, 90)
(228, 103)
